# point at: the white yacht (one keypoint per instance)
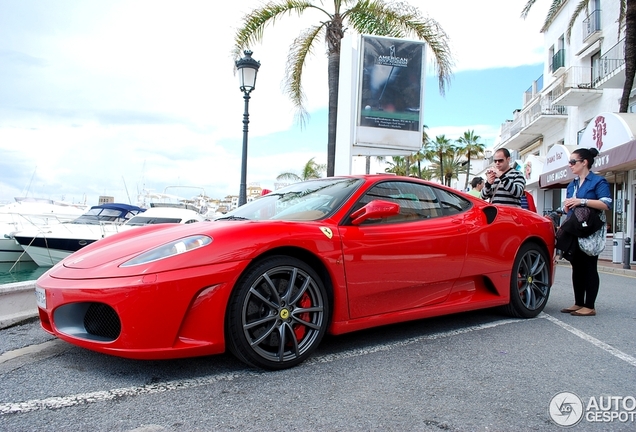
(31, 213)
(49, 245)
(48, 248)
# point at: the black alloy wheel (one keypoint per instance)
(278, 314)
(529, 282)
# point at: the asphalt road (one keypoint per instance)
(478, 371)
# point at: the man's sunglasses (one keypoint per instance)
(498, 160)
(574, 161)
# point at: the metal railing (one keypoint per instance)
(609, 62)
(544, 106)
(558, 60)
(533, 91)
(540, 106)
(591, 24)
(575, 77)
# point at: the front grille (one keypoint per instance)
(102, 320)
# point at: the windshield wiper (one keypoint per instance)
(231, 218)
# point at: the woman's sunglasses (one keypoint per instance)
(574, 161)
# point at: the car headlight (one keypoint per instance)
(167, 250)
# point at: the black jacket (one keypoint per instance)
(580, 222)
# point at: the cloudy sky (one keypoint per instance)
(113, 97)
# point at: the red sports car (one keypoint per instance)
(270, 278)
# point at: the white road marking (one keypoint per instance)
(586, 337)
(386, 347)
(106, 395)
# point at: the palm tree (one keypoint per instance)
(470, 147)
(421, 154)
(427, 173)
(418, 158)
(626, 19)
(452, 166)
(434, 151)
(311, 170)
(376, 17)
(397, 166)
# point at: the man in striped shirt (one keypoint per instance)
(504, 184)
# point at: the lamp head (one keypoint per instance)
(247, 69)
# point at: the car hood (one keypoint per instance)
(232, 241)
(126, 245)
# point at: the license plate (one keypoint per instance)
(40, 297)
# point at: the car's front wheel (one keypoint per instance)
(278, 313)
(529, 282)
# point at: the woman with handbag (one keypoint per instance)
(593, 191)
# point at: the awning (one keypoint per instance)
(613, 134)
(532, 167)
(557, 172)
(557, 178)
(608, 130)
(621, 158)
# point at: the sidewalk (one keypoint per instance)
(608, 267)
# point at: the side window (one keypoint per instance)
(417, 201)
(452, 203)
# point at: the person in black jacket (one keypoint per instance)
(592, 191)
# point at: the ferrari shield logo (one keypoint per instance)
(326, 231)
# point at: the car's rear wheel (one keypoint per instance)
(278, 313)
(529, 282)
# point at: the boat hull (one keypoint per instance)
(47, 257)
(11, 252)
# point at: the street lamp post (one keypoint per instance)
(247, 69)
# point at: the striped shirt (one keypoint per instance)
(506, 189)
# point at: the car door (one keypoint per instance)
(408, 260)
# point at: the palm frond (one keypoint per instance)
(300, 49)
(401, 20)
(526, 8)
(554, 10)
(583, 5)
(254, 23)
(288, 176)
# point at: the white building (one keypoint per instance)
(576, 97)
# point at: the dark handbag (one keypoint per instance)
(581, 223)
(594, 244)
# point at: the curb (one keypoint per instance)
(604, 267)
(17, 303)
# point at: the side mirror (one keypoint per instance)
(375, 210)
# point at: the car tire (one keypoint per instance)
(529, 282)
(277, 314)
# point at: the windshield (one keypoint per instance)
(152, 220)
(310, 200)
(97, 216)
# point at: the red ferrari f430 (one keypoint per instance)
(268, 280)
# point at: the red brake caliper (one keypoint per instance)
(299, 329)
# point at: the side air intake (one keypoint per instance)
(491, 213)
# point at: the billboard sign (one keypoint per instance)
(391, 93)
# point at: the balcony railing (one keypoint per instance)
(575, 77)
(558, 60)
(609, 62)
(510, 128)
(540, 106)
(591, 24)
(533, 90)
(544, 106)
